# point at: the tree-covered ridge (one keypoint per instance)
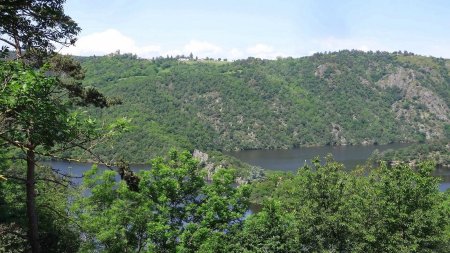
(172, 207)
(347, 97)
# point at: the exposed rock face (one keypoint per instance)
(416, 96)
(203, 157)
(337, 134)
(320, 71)
(326, 71)
(208, 166)
(253, 172)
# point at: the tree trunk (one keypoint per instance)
(33, 236)
(17, 47)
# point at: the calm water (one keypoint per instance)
(350, 156)
(292, 159)
(287, 160)
(76, 169)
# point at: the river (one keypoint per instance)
(350, 156)
(286, 160)
(292, 159)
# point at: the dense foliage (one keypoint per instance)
(348, 97)
(172, 209)
(36, 27)
(322, 208)
(394, 209)
(38, 91)
(57, 233)
(38, 119)
(436, 151)
(185, 204)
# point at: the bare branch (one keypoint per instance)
(89, 151)
(55, 181)
(8, 42)
(37, 179)
(15, 178)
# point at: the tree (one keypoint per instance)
(36, 118)
(328, 208)
(36, 25)
(35, 104)
(409, 216)
(173, 209)
(446, 209)
(57, 232)
(393, 209)
(271, 230)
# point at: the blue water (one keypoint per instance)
(350, 156)
(287, 160)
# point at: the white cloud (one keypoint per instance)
(260, 49)
(107, 42)
(202, 48)
(152, 49)
(111, 40)
(263, 51)
(197, 48)
(235, 53)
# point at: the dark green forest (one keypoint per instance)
(116, 110)
(341, 98)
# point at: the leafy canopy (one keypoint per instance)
(173, 209)
(36, 25)
(35, 111)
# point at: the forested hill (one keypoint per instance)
(348, 97)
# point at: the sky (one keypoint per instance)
(235, 29)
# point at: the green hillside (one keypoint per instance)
(343, 98)
(439, 152)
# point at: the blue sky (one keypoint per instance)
(261, 28)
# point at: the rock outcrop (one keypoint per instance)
(248, 174)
